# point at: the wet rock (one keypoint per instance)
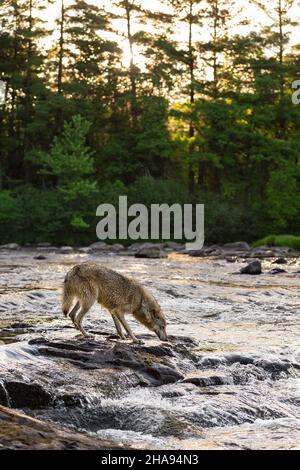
(151, 365)
(151, 252)
(4, 399)
(230, 259)
(277, 271)
(27, 395)
(43, 244)
(40, 257)
(242, 374)
(66, 249)
(236, 246)
(195, 253)
(20, 432)
(211, 361)
(134, 247)
(206, 251)
(47, 248)
(116, 248)
(10, 246)
(158, 374)
(158, 351)
(105, 247)
(214, 250)
(211, 381)
(252, 268)
(263, 253)
(229, 359)
(71, 400)
(20, 326)
(85, 249)
(174, 246)
(233, 358)
(280, 261)
(99, 246)
(275, 367)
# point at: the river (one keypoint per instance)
(234, 345)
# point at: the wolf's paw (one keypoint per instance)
(137, 341)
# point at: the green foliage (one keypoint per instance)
(209, 120)
(69, 157)
(147, 190)
(291, 241)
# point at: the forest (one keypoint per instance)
(198, 109)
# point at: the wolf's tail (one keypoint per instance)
(68, 292)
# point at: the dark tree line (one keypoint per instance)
(200, 113)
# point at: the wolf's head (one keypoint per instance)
(152, 317)
(160, 324)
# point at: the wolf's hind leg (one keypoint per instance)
(84, 309)
(73, 313)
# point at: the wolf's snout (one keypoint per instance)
(162, 334)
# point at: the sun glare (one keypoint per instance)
(250, 12)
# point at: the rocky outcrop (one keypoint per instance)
(151, 366)
(26, 395)
(20, 432)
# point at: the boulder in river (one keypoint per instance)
(213, 250)
(26, 395)
(152, 251)
(10, 246)
(252, 268)
(280, 261)
(263, 252)
(99, 246)
(236, 246)
(66, 249)
(277, 271)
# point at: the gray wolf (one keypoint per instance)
(88, 283)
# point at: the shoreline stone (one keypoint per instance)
(21, 432)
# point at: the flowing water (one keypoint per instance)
(234, 340)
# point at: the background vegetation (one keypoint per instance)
(203, 115)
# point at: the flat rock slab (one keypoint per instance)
(152, 365)
(20, 432)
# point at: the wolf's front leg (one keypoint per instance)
(118, 326)
(128, 329)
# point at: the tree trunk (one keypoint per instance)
(192, 96)
(131, 65)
